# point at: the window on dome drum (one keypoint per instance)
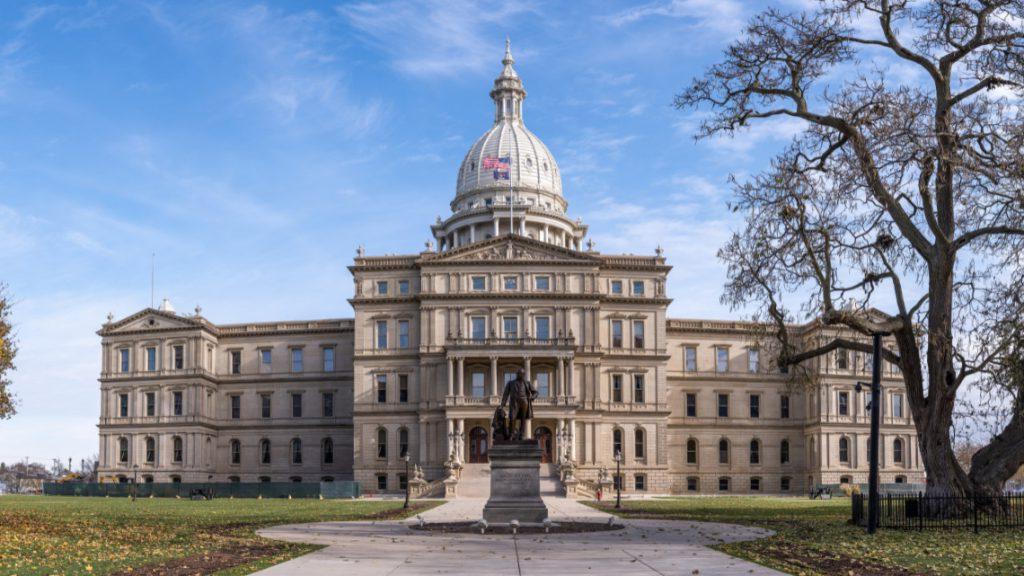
(296, 451)
(616, 333)
(723, 451)
(721, 359)
(897, 450)
(784, 452)
(755, 452)
(327, 451)
(638, 333)
(692, 484)
(178, 401)
(723, 405)
(125, 354)
(543, 384)
(616, 287)
(691, 451)
(755, 484)
(640, 482)
(122, 450)
(753, 360)
(638, 287)
(844, 450)
(179, 357)
(328, 404)
(897, 405)
(151, 359)
(177, 449)
(382, 444)
(543, 327)
(844, 403)
(382, 287)
(266, 360)
(236, 407)
(477, 382)
(691, 404)
(382, 482)
(639, 444)
(236, 452)
(784, 484)
(236, 362)
(150, 403)
(510, 327)
(784, 406)
(690, 354)
(842, 360)
(403, 287)
(382, 334)
(755, 405)
(478, 327)
(542, 283)
(265, 451)
(296, 359)
(638, 388)
(403, 388)
(403, 442)
(150, 450)
(265, 405)
(617, 441)
(511, 283)
(723, 484)
(328, 359)
(616, 387)
(403, 333)
(296, 405)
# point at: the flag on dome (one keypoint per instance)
(500, 165)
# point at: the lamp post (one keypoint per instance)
(618, 479)
(407, 487)
(876, 420)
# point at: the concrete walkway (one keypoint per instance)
(644, 547)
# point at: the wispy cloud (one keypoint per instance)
(719, 15)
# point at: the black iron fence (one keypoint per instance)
(206, 489)
(918, 512)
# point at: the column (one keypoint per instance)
(472, 233)
(559, 434)
(459, 442)
(571, 384)
(495, 227)
(451, 378)
(494, 376)
(526, 368)
(572, 439)
(559, 379)
(421, 431)
(448, 437)
(547, 233)
(462, 377)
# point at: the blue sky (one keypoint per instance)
(254, 146)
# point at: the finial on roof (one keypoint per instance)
(508, 52)
(659, 251)
(199, 311)
(110, 317)
(360, 251)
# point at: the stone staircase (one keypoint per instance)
(549, 482)
(475, 481)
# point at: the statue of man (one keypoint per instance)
(518, 395)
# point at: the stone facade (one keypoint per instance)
(692, 406)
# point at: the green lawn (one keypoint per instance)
(814, 538)
(46, 535)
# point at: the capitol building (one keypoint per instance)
(509, 282)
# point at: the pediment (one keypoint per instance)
(513, 250)
(150, 319)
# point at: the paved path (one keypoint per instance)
(644, 547)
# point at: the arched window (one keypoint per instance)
(691, 451)
(639, 444)
(617, 441)
(265, 451)
(723, 451)
(403, 442)
(784, 452)
(177, 449)
(122, 450)
(897, 450)
(755, 452)
(296, 479)
(296, 451)
(382, 443)
(327, 450)
(844, 450)
(150, 450)
(236, 452)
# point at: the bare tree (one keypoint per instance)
(899, 209)
(7, 353)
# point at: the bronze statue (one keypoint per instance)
(499, 426)
(518, 395)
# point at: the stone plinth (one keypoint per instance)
(515, 483)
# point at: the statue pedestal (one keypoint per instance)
(515, 483)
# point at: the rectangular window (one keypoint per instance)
(542, 283)
(691, 358)
(510, 326)
(236, 407)
(296, 359)
(479, 283)
(640, 483)
(721, 359)
(755, 405)
(296, 405)
(755, 484)
(753, 360)
(265, 405)
(616, 387)
(691, 404)
(691, 484)
(125, 355)
(638, 388)
(382, 388)
(403, 481)
(616, 286)
(511, 283)
(897, 405)
(179, 357)
(784, 484)
(328, 359)
(638, 333)
(478, 328)
(266, 360)
(328, 404)
(842, 360)
(382, 334)
(403, 287)
(150, 403)
(403, 387)
(844, 403)
(543, 327)
(784, 406)
(638, 287)
(403, 333)
(151, 359)
(382, 482)
(178, 401)
(723, 405)
(477, 385)
(122, 401)
(382, 287)
(236, 362)
(543, 384)
(723, 484)
(616, 333)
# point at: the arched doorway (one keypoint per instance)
(545, 440)
(477, 445)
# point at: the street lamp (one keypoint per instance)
(618, 479)
(407, 486)
(876, 418)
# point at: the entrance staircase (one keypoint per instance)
(475, 481)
